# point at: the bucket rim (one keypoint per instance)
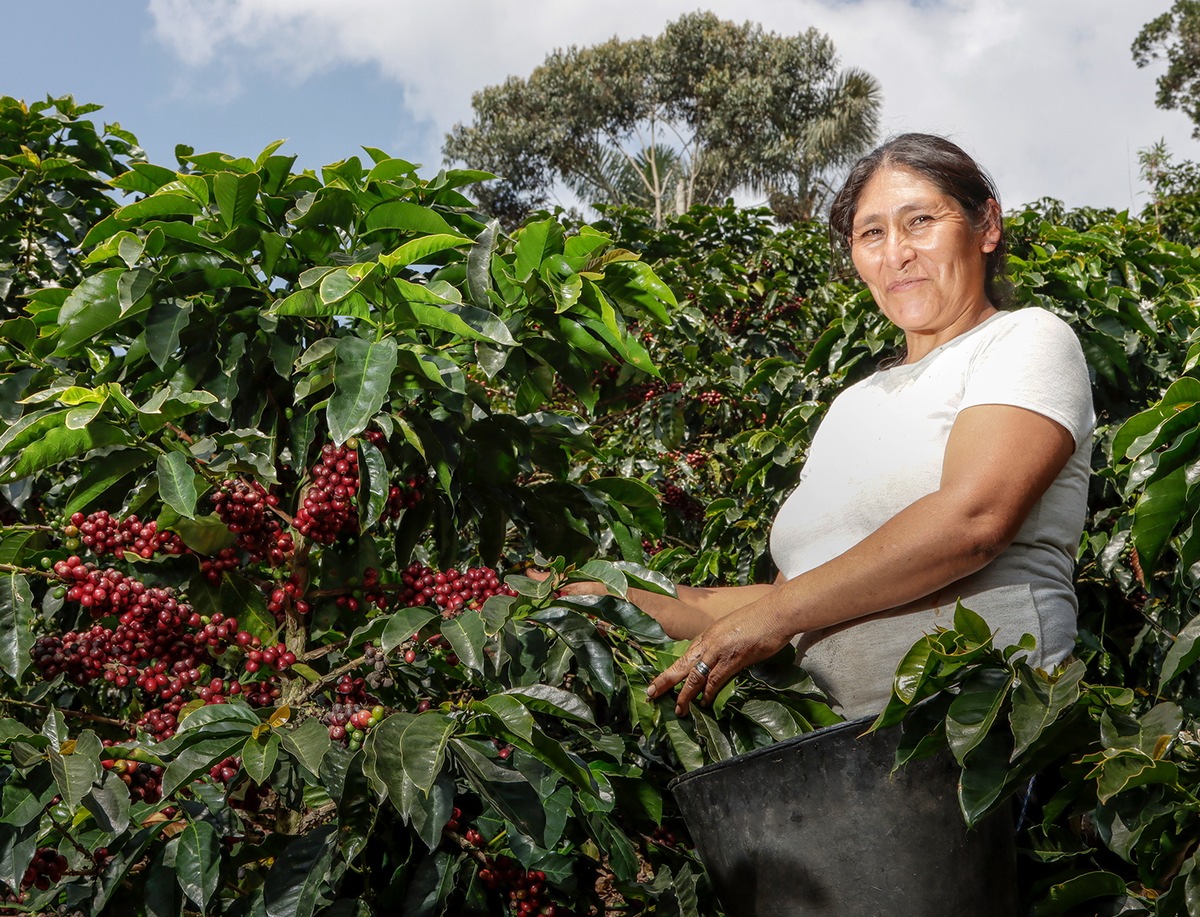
(859, 724)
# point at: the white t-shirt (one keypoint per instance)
(880, 448)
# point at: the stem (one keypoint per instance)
(65, 711)
(329, 679)
(67, 834)
(27, 571)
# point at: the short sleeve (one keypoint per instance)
(1034, 361)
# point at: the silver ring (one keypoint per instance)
(702, 668)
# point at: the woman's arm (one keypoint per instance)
(697, 607)
(688, 615)
(999, 460)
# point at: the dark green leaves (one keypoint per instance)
(197, 862)
(362, 376)
(16, 619)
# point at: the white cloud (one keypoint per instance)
(1045, 94)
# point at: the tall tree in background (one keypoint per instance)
(1175, 36)
(704, 109)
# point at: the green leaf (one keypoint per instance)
(159, 204)
(1182, 655)
(1128, 769)
(307, 743)
(245, 601)
(413, 251)
(554, 701)
(260, 754)
(16, 625)
(504, 788)
(75, 772)
(1156, 515)
(592, 654)
(536, 242)
(92, 307)
(983, 778)
(59, 445)
(196, 759)
(407, 217)
(634, 284)
(467, 322)
(236, 196)
(102, 474)
(974, 710)
(198, 862)
(511, 713)
(362, 378)
(166, 320)
(108, 802)
(238, 717)
(479, 264)
(294, 886)
(30, 429)
(410, 748)
(1079, 889)
(1039, 701)
(177, 483)
(687, 750)
(467, 639)
(403, 624)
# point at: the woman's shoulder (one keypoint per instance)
(1032, 327)
(1032, 319)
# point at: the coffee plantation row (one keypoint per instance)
(277, 449)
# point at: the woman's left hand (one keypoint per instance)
(726, 647)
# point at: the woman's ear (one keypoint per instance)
(992, 227)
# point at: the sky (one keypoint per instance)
(1043, 92)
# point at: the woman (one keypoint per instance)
(959, 471)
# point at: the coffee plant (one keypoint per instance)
(278, 447)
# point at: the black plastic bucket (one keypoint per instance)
(818, 825)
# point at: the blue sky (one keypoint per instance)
(1044, 93)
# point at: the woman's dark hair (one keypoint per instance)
(954, 173)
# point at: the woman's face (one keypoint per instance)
(921, 257)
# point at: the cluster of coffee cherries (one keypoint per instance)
(290, 590)
(225, 770)
(404, 496)
(45, 870)
(682, 502)
(158, 644)
(453, 591)
(695, 458)
(652, 547)
(375, 660)
(650, 391)
(329, 505)
(150, 625)
(247, 509)
(350, 722)
(524, 889)
(102, 533)
(371, 593)
(710, 398)
(144, 780)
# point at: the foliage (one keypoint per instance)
(54, 172)
(1175, 37)
(267, 456)
(665, 123)
(309, 430)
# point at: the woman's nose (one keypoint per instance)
(898, 248)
